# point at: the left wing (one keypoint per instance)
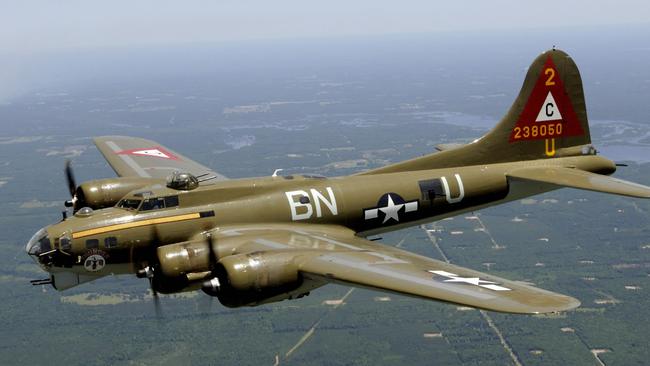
(138, 157)
(335, 254)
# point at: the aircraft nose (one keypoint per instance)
(38, 244)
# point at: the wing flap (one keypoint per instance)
(138, 157)
(580, 179)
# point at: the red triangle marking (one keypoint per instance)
(552, 115)
(153, 152)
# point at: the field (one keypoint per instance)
(594, 247)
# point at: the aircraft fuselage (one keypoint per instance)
(366, 204)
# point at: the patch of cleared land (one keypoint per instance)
(40, 204)
(347, 164)
(93, 299)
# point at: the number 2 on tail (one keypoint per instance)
(550, 72)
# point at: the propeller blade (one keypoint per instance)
(156, 299)
(69, 177)
(155, 266)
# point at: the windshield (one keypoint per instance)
(159, 203)
(129, 203)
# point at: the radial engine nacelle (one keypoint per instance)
(102, 193)
(237, 280)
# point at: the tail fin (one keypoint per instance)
(549, 113)
(548, 119)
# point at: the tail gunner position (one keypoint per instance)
(260, 240)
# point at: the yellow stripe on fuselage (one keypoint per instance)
(129, 225)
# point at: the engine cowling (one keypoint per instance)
(237, 280)
(102, 193)
(181, 267)
(184, 258)
(256, 278)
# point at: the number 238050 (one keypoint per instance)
(545, 130)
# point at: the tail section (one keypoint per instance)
(548, 119)
(549, 113)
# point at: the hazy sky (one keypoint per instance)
(29, 26)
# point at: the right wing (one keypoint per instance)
(137, 157)
(335, 254)
(576, 178)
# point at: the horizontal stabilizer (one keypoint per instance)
(449, 146)
(575, 178)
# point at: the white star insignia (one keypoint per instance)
(391, 210)
(471, 280)
(452, 277)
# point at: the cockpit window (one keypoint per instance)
(129, 203)
(159, 203)
(45, 244)
(152, 204)
(171, 201)
(65, 243)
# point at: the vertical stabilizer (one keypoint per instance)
(547, 119)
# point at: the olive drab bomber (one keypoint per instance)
(258, 240)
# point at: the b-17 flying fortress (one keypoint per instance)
(252, 241)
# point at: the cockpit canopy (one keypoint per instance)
(148, 204)
(182, 181)
(129, 203)
(39, 243)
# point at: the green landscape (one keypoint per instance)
(318, 119)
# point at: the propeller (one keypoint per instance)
(149, 272)
(72, 186)
(156, 299)
(153, 274)
(69, 177)
(155, 266)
